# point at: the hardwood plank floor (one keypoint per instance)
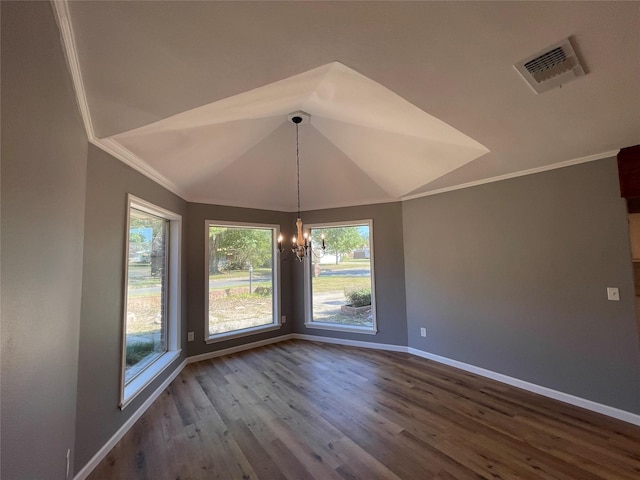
(301, 410)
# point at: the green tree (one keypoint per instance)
(244, 246)
(215, 249)
(339, 240)
(136, 237)
(248, 246)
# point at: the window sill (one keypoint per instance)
(242, 333)
(133, 388)
(342, 328)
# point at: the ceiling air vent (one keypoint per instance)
(551, 68)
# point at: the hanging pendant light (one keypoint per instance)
(301, 242)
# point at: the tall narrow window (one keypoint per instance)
(339, 286)
(241, 280)
(151, 294)
(146, 337)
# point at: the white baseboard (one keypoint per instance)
(239, 348)
(515, 382)
(106, 448)
(532, 387)
(350, 343)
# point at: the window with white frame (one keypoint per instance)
(242, 280)
(339, 286)
(152, 298)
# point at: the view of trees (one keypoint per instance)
(239, 248)
(240, 297)
(136, 237)
(147, 240)
(339, 240)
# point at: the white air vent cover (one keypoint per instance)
(551, 67)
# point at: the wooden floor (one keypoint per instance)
(300, 410)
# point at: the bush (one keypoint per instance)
(138, 351)
(263, 291)
(358, 297)
(236, 265)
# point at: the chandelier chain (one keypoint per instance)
(298, 167)
(301, 246)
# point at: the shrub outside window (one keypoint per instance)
(339, 286)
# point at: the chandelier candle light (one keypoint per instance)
(301, 243)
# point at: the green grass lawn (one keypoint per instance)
(324, 284)
(242, 308)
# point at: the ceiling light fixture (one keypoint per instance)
(301, 242)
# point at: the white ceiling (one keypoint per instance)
(406, 98)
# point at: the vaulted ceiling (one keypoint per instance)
(405, 98)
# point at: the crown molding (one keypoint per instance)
(63, 18)
(521, 173)
(114, 148)
(61, 13)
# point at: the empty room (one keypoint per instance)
(320, 240)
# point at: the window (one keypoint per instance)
(339, 286)
(242, 280)
(151, 314)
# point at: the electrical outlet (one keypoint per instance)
(613, 294)
(190, 336)
(423, 332)
(283, 319)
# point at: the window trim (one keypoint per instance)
(277, 323)
(129, 390)
(308, 300)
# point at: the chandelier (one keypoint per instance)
(301, 242)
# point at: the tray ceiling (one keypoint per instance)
(406, 98)
(381, 145)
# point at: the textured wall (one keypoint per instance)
(512, 276)
(44, 150)
(108, 183)
(389, 272)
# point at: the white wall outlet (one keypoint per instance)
(613, 294)
(283, 319)
(190, 337)
(423, 332)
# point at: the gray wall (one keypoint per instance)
(509, 276)
(108, 182)
(389, 272)
(512, 276)
(195, 259)
(43, 169)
